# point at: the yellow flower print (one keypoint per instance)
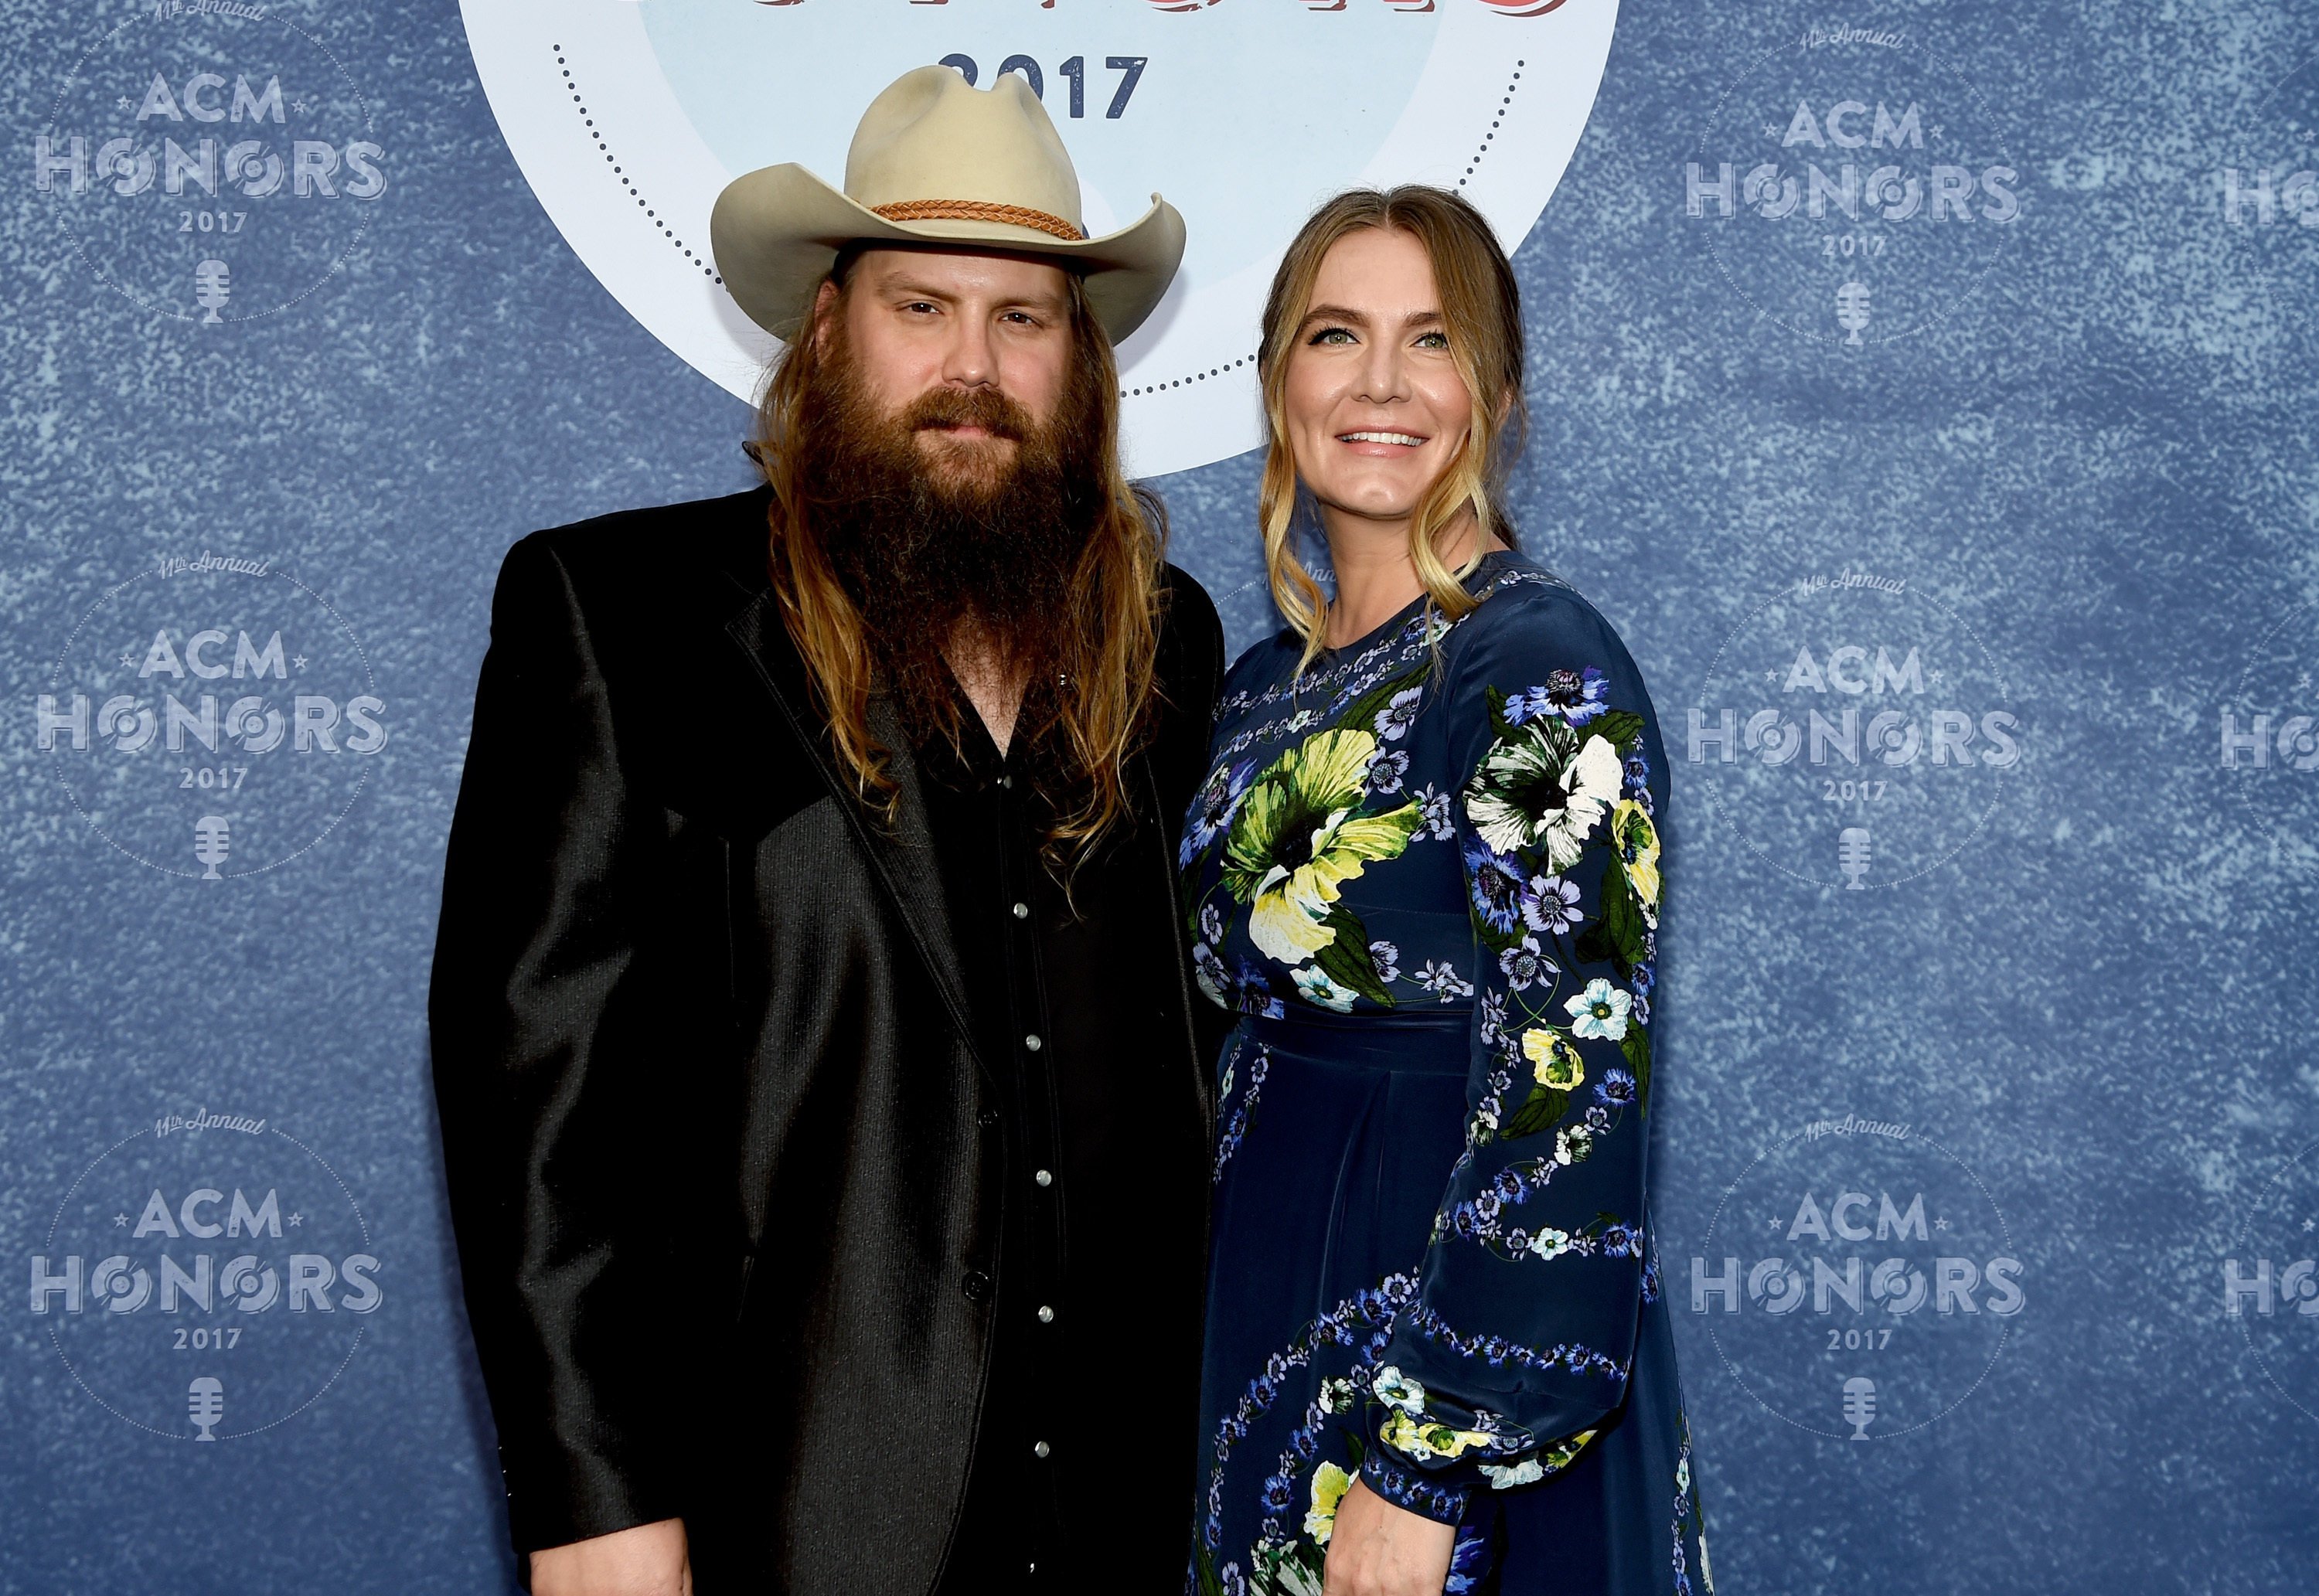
(1638, 842)
(1420, 1438)
(1296, 840)
(1330, 1484)
(1553, 1059)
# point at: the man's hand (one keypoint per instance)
(1378, 1549)
(649, 1560)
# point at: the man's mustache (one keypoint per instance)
(986, 408)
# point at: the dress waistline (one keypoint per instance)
(1427, 1041)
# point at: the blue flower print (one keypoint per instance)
(1255, 994)
(1212, 810)
(1388, 958)
(1616, 1087)
(1386, 770)
(1495, 883)
(1550, 903)
(1394, 721)
(1443, 982)
(1524, 963)
(1576, 698)
(1433, 814)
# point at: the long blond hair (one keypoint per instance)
(1482, 308)
(1100, 710)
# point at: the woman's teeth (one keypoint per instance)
(1389, 437)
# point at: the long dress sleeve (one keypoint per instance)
(1520, 1339)
(547, 1079)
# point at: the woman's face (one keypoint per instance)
(1374, 405)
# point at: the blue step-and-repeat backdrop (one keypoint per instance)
(1924, 391)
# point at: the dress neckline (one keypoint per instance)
(1487, 566)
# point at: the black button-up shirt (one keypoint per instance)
(1083, 1465)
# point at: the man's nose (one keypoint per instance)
(972, 358)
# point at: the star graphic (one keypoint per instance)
(1940, 1224)
(120, 1221)
(1935, 130)
(1771, 128)
(298, 662)
(296, 1220)
(129, 661)
(1933, 677)
(2311, 1224)
(2302, 682)
(1772, 673)
(124, 103)
(1775, 1222)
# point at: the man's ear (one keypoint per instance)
(818, 321)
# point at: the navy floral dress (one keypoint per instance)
(1425, 876)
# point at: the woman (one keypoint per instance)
(1424, 872)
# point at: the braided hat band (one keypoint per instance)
(979, 210)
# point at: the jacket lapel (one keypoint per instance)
(902, 856)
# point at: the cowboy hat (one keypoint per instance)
(937, 161)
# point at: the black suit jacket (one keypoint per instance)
(725, 1168)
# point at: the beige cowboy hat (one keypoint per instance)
(937, 161)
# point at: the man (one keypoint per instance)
(824, 1127)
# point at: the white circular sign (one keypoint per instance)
(628, 118)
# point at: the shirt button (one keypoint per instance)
(1046, 1314)
(1040, 1449)
(987, 1118)
(1007, 782)
(977, 1285)
(1033, 1043)
(1022, 911)
(1044, 1178)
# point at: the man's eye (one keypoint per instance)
(1333, 335)
(918, 305)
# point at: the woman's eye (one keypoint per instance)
(1332, 335)
(1434, 340)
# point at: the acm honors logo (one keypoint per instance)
(1853, 186)
(211, 160)
(2267, 200)
(212, 717)
(1853, 731)
(206, 1278)
(2269, 738)
(2270, 1281)
(1857, 1279)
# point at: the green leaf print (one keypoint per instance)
(1347, 961)
(1617, 936)
(1617, 727)
(1541, 1111)
(1637, 1045)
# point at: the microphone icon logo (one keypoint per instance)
(205, 1405)
(210, 839)
(1852, 310)
(1852, 855)
(213, 285)
(1860, 1406)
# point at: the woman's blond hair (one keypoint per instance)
(1481, 308)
